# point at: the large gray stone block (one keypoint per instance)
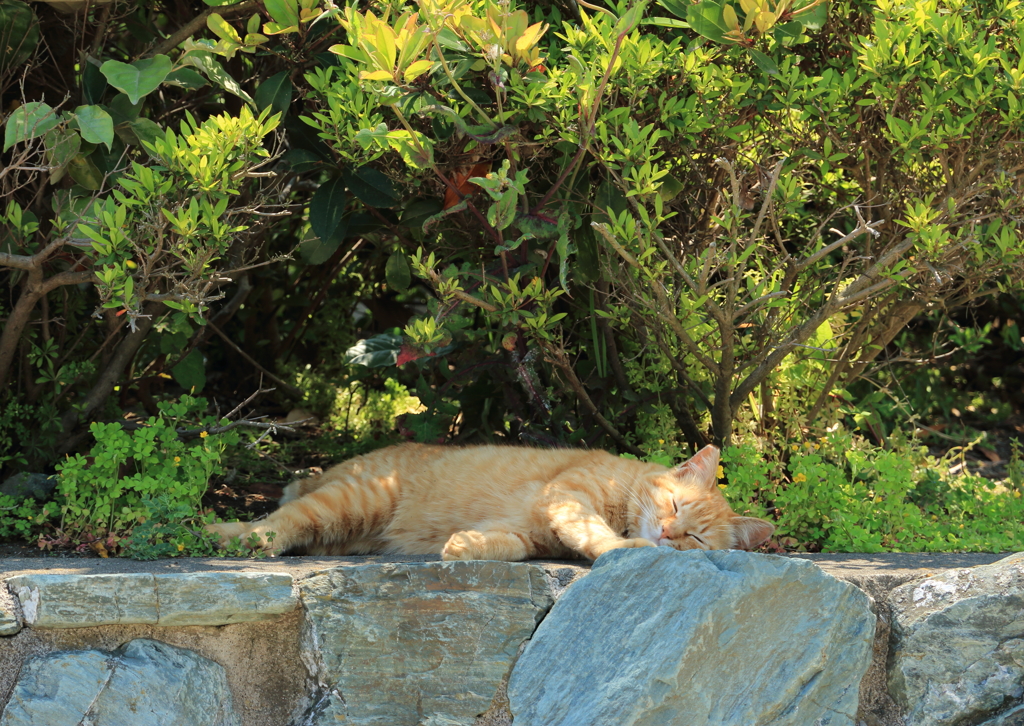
(195, 598)
(143, 683)
(956, 652)
(417, 643)
(655, 636)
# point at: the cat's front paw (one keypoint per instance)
(620, 544)
(461, 546)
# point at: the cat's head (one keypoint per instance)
(687, 511)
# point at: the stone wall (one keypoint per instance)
(650, 636)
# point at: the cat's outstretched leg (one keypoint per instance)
(488, 545)
(576, 522)
(326, 518)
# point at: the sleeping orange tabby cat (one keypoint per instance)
(503, 503)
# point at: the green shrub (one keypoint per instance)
(105, 495)
(841, 494)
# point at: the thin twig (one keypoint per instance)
(288, 387)
(559, 359)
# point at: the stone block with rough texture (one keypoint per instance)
(655, 636)
(10, 621)
(957, 646)
(195, 598)
(419, 643)
(143, 683)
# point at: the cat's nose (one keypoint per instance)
(664, 533)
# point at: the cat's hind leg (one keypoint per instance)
(325, 519)
(487, 545)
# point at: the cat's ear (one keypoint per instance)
(701, 470)
(750, 532)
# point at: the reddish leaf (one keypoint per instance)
(459, 179)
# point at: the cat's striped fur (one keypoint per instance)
(503, 503)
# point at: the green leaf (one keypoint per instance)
(706, 19)
(763, 62)
(284, 12)
(788, 31)
(376, 352)
(190, 373)
(173, 342)
(301, 160)
(316, 252)
(814, 18)
(275, 92)
(122, 111)
(205, 62)
(139, 78)
(28, 122)
(85, 172)
(609, 198)
(588, 261)
(62, 146)
(371, 187)
(631, 18)
(327, 209)
(666, 22)
(676, 7)
(397, 272)
(185, 78)
(146, 130)
(95, 125)
(222, 28)
(418, 211)
(93, 83)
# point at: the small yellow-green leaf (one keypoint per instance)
(765, 21)
(729, 18)
(375, 76)
(417, 69)
(531, 36)
(278, 29)
(348, 51)
(222, 28)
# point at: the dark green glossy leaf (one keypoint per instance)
(376, 352)
(315, 251)
(417, 211)
(301, 160)
(275, 92)
(397, 271)
(371, 187)
(93, 83)
(588, 261)
(327, 211)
